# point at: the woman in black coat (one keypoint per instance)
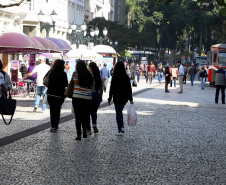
(55, 93)
(121, 92)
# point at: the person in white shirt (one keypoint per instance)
(41, 71)
(180, 76)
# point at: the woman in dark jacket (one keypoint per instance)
(97, 93)
(202, 76)
(55, 93)
(121, 92)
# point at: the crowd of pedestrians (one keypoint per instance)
(89, 83)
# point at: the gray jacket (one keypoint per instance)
(220, 77)
(7, 83)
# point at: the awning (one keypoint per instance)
(20, 43)
(16, 43)
(64, 46)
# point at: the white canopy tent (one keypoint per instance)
(104, 49)
(83, 53)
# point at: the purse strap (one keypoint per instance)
(5, 120)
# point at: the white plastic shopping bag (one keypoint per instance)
(132, 116)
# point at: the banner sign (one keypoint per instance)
(14, 64)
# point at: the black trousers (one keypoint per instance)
(184, 79)
(81, 108)
(55, 106)
(218, 88)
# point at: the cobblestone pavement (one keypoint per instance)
(179, 139)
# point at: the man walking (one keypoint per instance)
(192, 71)
(220, 84)
(180, 76)
(41, 71)
(104, 72)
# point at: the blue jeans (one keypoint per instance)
(192, 79)
(138, 77)
(160, 74)
(203, 80)
(41, 91)
(119, 116)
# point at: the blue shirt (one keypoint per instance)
(181, 70)
(104, 72)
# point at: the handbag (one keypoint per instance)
(7, 107)
(70, 88)
(46, 79)
(134, 83)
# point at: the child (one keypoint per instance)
(167, 78)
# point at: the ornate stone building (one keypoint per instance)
(120, 11)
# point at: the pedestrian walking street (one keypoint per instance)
(178, 139)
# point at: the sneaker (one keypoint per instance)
(119, 134)
(95, 129)
(35, 109)
(122, 129)
(88, 132)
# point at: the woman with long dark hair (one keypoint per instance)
(82, 97)
(55, 93)
(121, 92)
(97, 92)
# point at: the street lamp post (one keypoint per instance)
(47, 26)
(186, 44)
(79, 35)
(113, 43)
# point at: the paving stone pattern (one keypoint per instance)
(179, 139)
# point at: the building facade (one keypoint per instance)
(120, 11)
(25, 18)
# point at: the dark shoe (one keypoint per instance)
(53, 129)
(170, 86)
(223, 102)
(95, 129)
(78, 138)
(84, 135)
(35, 109)
(167, 91)
(179, 92)
(216, 102)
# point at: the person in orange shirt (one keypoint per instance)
(174, 72)
(67, 67)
